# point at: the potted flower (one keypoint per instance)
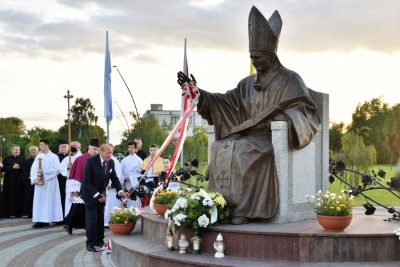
(123, 220)
(334, 212)
(163, 199)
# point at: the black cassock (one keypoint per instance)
(62, 181)
(13, 188)
(28, 189)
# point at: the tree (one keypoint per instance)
(392, 145)
(87, 133)
(196, 146)
(82, 116)
(336, 131)
(357, 155)
(368, 122)
(150, 132)
(392, 130)
(166, 127)
(12, 125)
(12, 131)
(37, 133)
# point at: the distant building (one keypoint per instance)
(171, 117)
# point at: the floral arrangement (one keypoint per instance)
(197, 209)
(165, 197)
(124, 215)
(329, 204)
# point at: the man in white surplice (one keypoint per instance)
(46, 200)
(65, 167)
(130, 166)
(111, 199)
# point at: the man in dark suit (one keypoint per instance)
(97, 172)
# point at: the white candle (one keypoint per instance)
(196, 245)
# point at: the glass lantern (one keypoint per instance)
(183, 244)
(219, 246)
(169, 240)
(196, 243)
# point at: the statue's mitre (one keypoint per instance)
(263, 34)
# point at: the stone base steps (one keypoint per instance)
(368, 240)
(137, 251)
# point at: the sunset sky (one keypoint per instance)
(349, 49)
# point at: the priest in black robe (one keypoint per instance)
(63, 147)
(29, 188)
(13, 187)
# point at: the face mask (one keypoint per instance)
(74, 149)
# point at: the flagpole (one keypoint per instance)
(108, 132)
(107, 89)
(185, 70)
(182, 129)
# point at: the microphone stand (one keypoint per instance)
(190, 185)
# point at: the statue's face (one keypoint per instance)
(261, 60)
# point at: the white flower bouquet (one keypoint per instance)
(197, 209)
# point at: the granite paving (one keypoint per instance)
(23, 246)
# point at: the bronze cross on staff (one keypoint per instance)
(68, 96)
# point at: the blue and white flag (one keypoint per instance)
(107, 85)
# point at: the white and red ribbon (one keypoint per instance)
(181, 122)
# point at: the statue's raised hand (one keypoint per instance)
(182, 78)
(188, 86)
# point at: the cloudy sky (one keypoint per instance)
(349, 49)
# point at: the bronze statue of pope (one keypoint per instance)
(241, 164)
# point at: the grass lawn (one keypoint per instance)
(382, 196)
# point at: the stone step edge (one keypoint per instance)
(136, 243)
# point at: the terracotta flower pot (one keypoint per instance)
(161, 209)
(334, 223)
(121, 229)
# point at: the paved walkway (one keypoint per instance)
(21, 245)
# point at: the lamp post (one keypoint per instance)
(127, 124)
(133, 100)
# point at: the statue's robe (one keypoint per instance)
(241, 164)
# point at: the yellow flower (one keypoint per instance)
(325, 203)
(126, 222)
(220, 201)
